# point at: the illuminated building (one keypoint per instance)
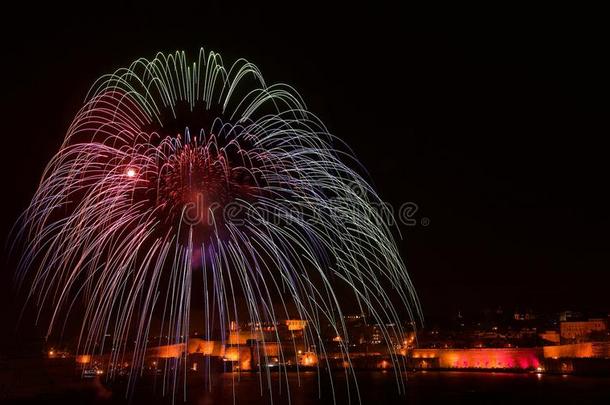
(376, 337)
(296, 324)
(578, 350)
(581, 329)
(308, 359)
(83, 359)
(169, 351)
(524, 359)
(204, 347)
(240, 337)
(232, 353)
(550, 336)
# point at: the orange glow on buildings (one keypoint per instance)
(83, 359)
(308, 359)
(410, 339)
(268, 349)
(232, 353)
(580, 329)
(169, 351)
(550, 336)
(384, 364)
(205, 347)
(527, 358)
(296, 324)
(578, 350)
(246, 364)
(241, 337)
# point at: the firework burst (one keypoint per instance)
(174, 171)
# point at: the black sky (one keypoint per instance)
(496, 130)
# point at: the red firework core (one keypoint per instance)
(198, 181)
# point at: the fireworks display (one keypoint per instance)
(187, 183)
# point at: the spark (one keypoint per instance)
(131, 172)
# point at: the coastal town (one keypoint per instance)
(568, 342)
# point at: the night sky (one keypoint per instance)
(497, 131)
